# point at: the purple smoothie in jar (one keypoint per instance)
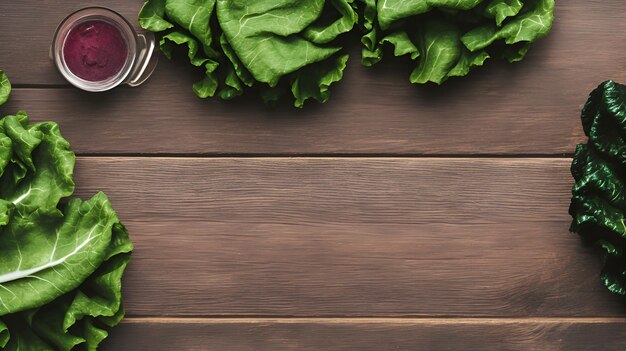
(95, 50)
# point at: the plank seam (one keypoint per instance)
(386, 157)
(380, 320)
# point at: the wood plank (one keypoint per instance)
(350, 237)
(526, 108)
(374, 335)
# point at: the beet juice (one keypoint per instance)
(95, 50)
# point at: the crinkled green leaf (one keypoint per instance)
(598, 204)
(233, 85)
(315, 85)
(452, 36)
(606, 119)
(208, 85)
(194, 52)
(516, 53)
(372, 51)
(467, 61)
(391, 11)
(37, 267)
(369, 14)
(614, 274)
(4, 334)
(240, 43)
(528, 26)
(371, 57)
(501, 9)
(61, 262)
(5, 87)
(440, 52)
(241, 71)
(264, 35)
(598, 177)
(323, 33)
(151, 16)
(194, 16)
(402, 44)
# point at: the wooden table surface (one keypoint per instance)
(392, 218)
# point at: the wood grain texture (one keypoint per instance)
(528, 108)
(349, 237)
(370, 335)
(302, 253)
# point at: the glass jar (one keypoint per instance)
(140, 58)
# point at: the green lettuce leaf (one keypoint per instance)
(440, 52)
(194, 16)
(266, 43)
(372, 51)
(528, 27)
(264, 35)
(5, 87)
(598, 206)
(446, 38)
(402, 44)
(391, 11)
(315, 85)
(501, 9)
(152, 15)
(61, 262)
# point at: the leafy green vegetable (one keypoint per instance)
(61, 262)
(5, 87)
(598, 204)
(272, 43)
(446, 38)
(276, 45)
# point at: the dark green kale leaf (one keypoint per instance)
(598, 204)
